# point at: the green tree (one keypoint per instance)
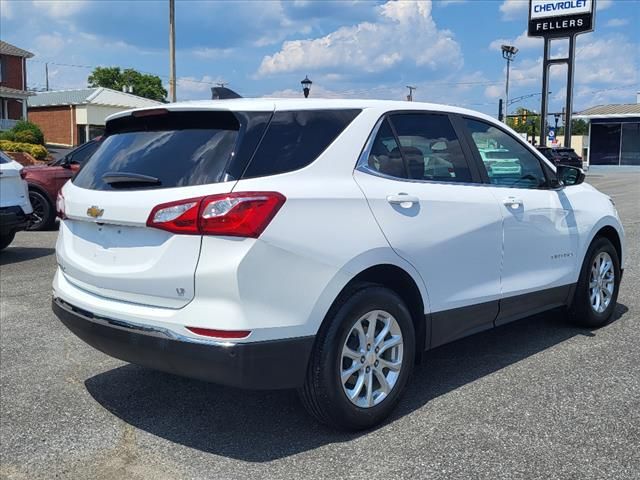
(144, 85)
(578, 127)
(524, 121)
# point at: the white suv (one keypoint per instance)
(304, 244)
(15, 208)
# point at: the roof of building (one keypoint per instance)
(14, 92)
(8, 49)
(90, 96)
(610, 111)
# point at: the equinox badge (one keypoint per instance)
(94, 211)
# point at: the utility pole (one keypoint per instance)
(172, 51)
(508, 53)
(410, 96)
(46, 76)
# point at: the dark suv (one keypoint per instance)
(564, 156)
(46, 180)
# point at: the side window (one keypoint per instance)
(430, 147)
(295, 139)
(384, 156)
(507, 161)
(83, 154)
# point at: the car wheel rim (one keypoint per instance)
(38, 210)
(601, 282)
(371, 359)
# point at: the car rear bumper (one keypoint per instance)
(274, 364)
(12, 219)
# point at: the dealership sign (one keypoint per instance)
(560, 18)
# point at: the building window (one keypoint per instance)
(630, 149)
(604, 144)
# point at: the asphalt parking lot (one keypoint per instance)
(537, 398)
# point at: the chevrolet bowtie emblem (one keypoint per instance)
(94, 211)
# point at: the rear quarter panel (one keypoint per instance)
(323, 236)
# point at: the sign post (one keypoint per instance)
(553, 19)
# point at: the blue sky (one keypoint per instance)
(449, 49)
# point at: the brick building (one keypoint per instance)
(13, 84)
(72, 117)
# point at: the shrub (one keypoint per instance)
(25, 136)
(8, 135)
(24, 125)
(36, 151)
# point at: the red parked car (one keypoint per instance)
(46, 180)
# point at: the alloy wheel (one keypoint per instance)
(371, 359)
(37, 217)
(601, 282)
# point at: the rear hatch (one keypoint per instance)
(156, 157)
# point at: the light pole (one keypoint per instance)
(172, 52)
(306, 86)
(508, 53)
(410, 96)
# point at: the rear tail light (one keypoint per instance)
(226, 334)
(23, 174)
(241, 214)
(60, 210)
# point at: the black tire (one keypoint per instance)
(5, 240)
(43, 216)
(322, 394)
(581, 311)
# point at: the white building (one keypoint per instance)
(72, 117)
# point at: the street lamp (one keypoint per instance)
(508, 53)
(306, 86)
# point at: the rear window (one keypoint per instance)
(4, 158)
(178, 149)
(295, 139)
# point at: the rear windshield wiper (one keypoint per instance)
(123, 179)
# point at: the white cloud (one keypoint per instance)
(514, 9)
(6, 10)
(617, 22)
(522, 41)
(212, 53)
(404, 32)
(59, 8)
(603, 4)
(493, 91)
(607, 60)
(317, 91)
(602, 66)
(188, 85)
(49, 44)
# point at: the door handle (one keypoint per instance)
(513, 202)
(402, 199)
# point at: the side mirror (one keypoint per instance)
(569, 176)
